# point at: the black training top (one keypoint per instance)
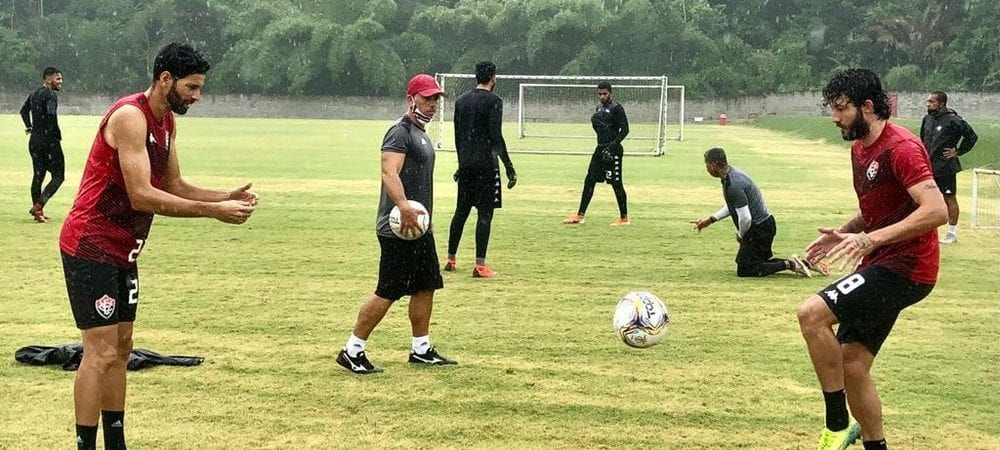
(478, 136)
(39, 113)
(610, 123)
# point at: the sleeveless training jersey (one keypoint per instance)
(883, 172)
(102, 226)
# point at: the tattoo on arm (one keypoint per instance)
(930, 186)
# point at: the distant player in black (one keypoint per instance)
(941, 131)
(611, 126)
(479, 139)
(40, 121)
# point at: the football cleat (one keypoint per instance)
(573, 219)
(483, 271)
(949, 238)
(621, 222)
(450, 265)
(36, 212)
(431, 358)
(358, 364)
(799, 267)
(839, 440)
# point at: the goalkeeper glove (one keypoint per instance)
(511, 177)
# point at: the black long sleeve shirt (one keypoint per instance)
(610, 123)
(478, 135)
(39, 113)
(944, 130)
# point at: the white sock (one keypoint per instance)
(953, 229)
(421, 344)
(354, 346)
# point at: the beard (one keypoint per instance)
(932, 111)
(857, 129)
(175, 101)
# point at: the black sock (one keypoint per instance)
(114, 429)
(836, 410)
(86, 437)
(876, 445)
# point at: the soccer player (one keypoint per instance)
(405, 267)
(40, 121)
(131, 174)
(479, 140)
(611, 126)
(893, 236)
(755, 226)
(941, 131)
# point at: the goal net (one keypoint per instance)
(986, 198)
(551, 114)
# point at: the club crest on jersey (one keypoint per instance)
(105, 306)
(872, 170)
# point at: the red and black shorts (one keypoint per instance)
(867, 303)
(100, 294)
(407, 267)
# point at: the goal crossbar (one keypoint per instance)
(651, 82)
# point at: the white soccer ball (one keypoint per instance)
(641, 319)
(423, 221)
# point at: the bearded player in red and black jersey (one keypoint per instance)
(893, 237)
(131, 174)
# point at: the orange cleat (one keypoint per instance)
(483, 271)
(621, 222)
(450, 265)
(573, 219)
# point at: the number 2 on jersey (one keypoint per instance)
(132, 255)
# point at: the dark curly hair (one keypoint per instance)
(180, 60)
(858, 85)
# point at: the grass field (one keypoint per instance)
(269, 303)
(986, 153)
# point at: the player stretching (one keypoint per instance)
(894, 237)
(131, 174)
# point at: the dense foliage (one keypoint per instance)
(718, 48)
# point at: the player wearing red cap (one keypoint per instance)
(405, 267)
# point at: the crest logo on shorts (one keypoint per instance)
(872, 170)
(105, 306)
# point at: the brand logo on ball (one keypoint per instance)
(105, 306)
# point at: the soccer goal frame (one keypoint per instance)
(657, 145)
(985, 181)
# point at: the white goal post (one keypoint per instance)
(986, 198)
(552, 113)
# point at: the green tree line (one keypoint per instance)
(717, 48)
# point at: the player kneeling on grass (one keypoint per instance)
(755, 226)
(406, 267)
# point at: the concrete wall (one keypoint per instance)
(968, 104)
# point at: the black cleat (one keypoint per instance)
(358, 364)
(431, 358)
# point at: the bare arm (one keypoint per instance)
(855, 225)
(126, 132)
(931, 212)
(392, 164)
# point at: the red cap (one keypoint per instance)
(423, 84)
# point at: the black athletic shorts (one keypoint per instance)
(867, 303)
(407, 267)
(606, 164)
(480, 187)
(755, 246)
(100, 294)
(948, 184)
(46, 155)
